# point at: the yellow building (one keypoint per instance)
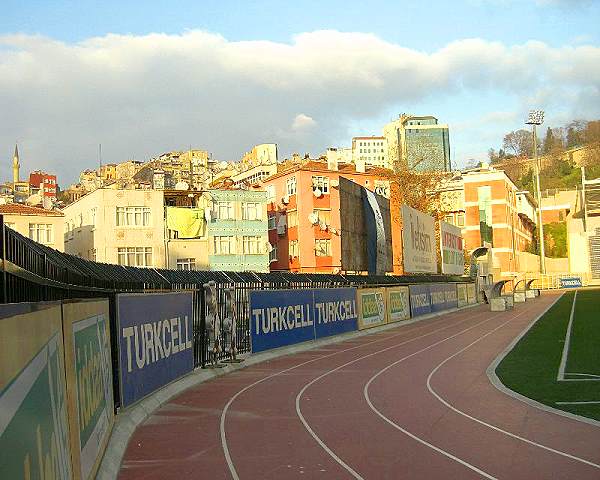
(43, 226)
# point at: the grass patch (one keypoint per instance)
(532, 365)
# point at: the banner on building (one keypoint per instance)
(420, 300)
(89, 381)
(286, 317)
(155, 341)
(471, 293)
(398, 304)
(418, 241)
(451, 248)
(461, 295)
(371, 307)
(34, 431)
(376, 237)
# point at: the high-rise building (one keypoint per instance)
(418, 143)
(373, 151)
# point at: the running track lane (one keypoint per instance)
(407, 432)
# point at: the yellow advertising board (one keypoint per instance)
(461, 293)
(34, 430)
(371, 307)
(89, 382)
(398, 306)
(471, 293)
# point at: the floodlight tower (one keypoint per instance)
(536, 117)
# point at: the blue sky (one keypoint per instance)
(477, 65)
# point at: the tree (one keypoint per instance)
(519, 142)
(549, 141)
(493, 156)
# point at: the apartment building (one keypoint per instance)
(43, 184)
(263, 154)
(373, 151)
(491, 211)
(41, 225)
(304, 213)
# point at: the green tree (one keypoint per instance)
(549, 141)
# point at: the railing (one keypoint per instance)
(552, 281)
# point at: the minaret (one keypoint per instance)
(16, 165)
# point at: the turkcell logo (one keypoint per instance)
(571, 282)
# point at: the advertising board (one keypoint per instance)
(461, 294)
(471, 293)
(451, 249)
(418, 241)
(371, 307)
(570, 282)
(286, 317)
(34, 431)
(155, 341)
(420, 300)
(398, 304)
(437, 292)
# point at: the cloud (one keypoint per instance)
(142, 95)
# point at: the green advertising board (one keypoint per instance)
(398, 304)
(34, 438)
(93, 387)
(371, 308)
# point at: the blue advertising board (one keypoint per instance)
(281, 317)
(437, 292)
(451, 295)
(155, 341)
(286, 317)
(571, 282)
(420, 300)
(335, 311)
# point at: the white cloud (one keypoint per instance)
(141, 95)
(303, 122)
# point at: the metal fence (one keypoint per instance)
(32, 272)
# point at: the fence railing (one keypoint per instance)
(552, 281)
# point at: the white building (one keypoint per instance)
(373, 151)
(43, 226)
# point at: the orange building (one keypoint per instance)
(304, 213)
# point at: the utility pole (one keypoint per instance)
(536, 117)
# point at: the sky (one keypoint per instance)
(142, 77)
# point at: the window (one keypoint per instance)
(323, 216)
(272, 222)
(292, 218)
(225, 211)
(223, 245)
(294, 248)
(270, 189)
(135, 256)
(186, 264)
(251, 245)
(323, 247)
(41, 232)
(93, 217)
(251, 211)
(273, 254)
(92, 254)
(484, 197)
(291, 186)
(133, 216)
(321, 183)
(449, 219)
(460, 219)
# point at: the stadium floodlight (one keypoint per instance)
(535, 117)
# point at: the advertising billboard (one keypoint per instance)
(461, 295)
(286, 317)
(155, 341)
(398, 303)
(34, 430)
(471, 293)
(570, 282)
(371, 307)
(420, 300)
(418, 241)
(452, 250)
(89, 381)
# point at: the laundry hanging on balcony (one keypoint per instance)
(187, 222)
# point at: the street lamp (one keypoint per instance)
(536, 117)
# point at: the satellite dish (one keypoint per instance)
(182, 186)
(285, 199)
(335, 182)
(313, 218)
(317, 192)
(323, 226)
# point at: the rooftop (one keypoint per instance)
(20, 209)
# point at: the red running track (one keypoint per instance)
(411, 402)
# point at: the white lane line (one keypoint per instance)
(565, 353)
(591, 402)
(412, 435)
(224, 445)
(312, 382)
(493, 427)
(584, 374)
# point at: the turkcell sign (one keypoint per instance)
(437, 292)
(420, 300)
(571, 282)
(155, 341)
(286, 317)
